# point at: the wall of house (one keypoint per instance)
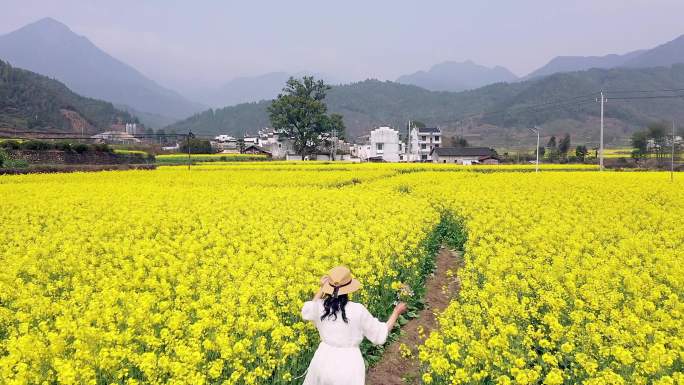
(391, 146)
(431, 141)
(454, 159)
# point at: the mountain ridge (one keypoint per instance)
(51, 48)
(455, 76)
(372, 103)
(663, 55)
(30, 101)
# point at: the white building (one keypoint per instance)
(274, 142)
(421, 142)
(131, 128)
(115, 137)
(383, 145)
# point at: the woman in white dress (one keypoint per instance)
(342, 325)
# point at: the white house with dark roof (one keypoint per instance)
(465, 155)
(421, 142)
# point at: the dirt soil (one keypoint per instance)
(393, 368)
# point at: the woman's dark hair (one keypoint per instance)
(332, 305)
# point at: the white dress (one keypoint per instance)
(338, 359)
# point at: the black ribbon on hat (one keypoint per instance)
(337, 288)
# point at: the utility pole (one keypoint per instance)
(536, 130)
(334, 145)
(673, 153)
(188, 144)
(408, 143)
(603, 101)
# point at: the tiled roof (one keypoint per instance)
(465, 151)
(429, 130)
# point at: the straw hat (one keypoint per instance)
(340, 281)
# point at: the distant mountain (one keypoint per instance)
(372, 103)
(29, 101)
(251, 88)
(50, 48)
(663, 55)
(454, 76)
(581, 63)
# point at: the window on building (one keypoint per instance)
(379, 147)
(423, 146)
(436, 145)
(423, 157)
(444, 161)
(423, 138)
(437, 139)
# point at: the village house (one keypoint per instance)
(421, 143)
(383, 145)
(256, 150)
(115, 137)
(225, 144)
(276, 143)
(465, 155)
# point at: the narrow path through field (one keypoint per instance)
(394, 368)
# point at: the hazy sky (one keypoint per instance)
(207, 42)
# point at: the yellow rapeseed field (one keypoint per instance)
(197, 277)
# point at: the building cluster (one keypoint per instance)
(273, 143)
(422, 144)
(383, 144)
(120, 133)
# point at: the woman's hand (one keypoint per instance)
(400, 308)
(324, 280)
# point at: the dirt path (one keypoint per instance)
(394, 368)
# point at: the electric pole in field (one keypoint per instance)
(603, 101)
(408, 143)
(536, 130)
(190, 135)
(673, 153)
(333, 152)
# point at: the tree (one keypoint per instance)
(197, 146)
(552, 143)
(301, 114)
(552, 149)
(640, 144)
(581, 152)
(456, 141)
(564, 145)
(658, 133)
(334, 130)
(542, 151)
(241, 145)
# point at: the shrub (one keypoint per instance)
(63, 146)
(10, 144)
(80, 148)
(36, 145)
(102, 147)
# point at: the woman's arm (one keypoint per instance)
(398, 310)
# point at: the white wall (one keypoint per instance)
(388, 139)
